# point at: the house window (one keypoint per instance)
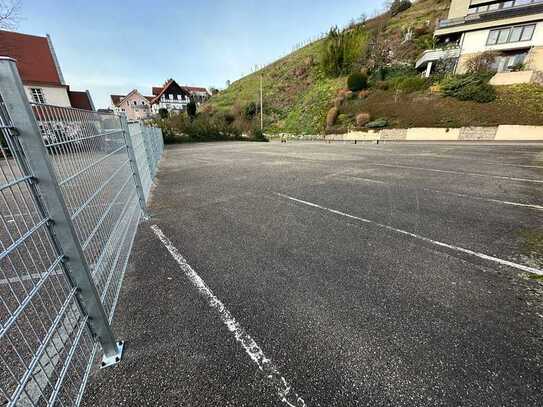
(511, 34)
(37, 95)
(171, 97)
(179, 97)
(501, 5)
(510, 61)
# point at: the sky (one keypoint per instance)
(112, 47)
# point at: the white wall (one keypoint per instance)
(475, 41)
(53, 95)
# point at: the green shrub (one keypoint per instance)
(342, 50)
(409, 84)
(383, 73)
(398, 6)
(163, 113)
(250, 110)
(203, 127)
(377, 124)
(191, 109)
(469, 87)
(357, 81)
(482, 93)
(258, 135)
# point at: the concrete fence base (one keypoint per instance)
(498, 133)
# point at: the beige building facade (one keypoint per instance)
(134, 105)
(512, 30)
(48, 94)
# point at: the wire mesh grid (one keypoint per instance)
(90, 159)
(44, 343)
(46, 348)
(141, 147)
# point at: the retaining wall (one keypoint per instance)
(499, 133)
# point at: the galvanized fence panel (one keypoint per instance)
(49, 326)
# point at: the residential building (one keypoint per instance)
(40, 71)
(134, 105)
(171, 97)
(512, 29)
(198, 94)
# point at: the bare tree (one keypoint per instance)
(9, 14)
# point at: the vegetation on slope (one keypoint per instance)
(306, 91)
(300, 88)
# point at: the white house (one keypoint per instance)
(40, 71)
(171, 97)
(512, 29)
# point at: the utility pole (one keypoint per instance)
(261, 104)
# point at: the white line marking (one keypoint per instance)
(253, 350)
(474, 174)
(477, 198)
(425, 239)
(447, 157)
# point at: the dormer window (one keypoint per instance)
(37, 95)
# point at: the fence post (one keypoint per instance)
(29, 136)
(133, 163)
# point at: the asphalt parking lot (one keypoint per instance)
(335, 275)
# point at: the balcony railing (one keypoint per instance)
(520, 10)
(174, 101)
(141, 108)
(437, 54)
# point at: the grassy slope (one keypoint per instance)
(520, 104)
(297, 94)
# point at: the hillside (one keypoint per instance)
(298, 93)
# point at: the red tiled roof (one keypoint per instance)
(116, 99)
(34, 57)
(157, 90)
(80, 100)
(162, 90)
(193, 89)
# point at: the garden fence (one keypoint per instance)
(73, 188)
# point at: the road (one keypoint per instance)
(335, 275)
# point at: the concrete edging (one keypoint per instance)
(497, 133)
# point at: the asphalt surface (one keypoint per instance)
(394, 291)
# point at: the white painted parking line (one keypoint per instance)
(472, 174)
(284, 391)
(438, 191)
(419, 237)
(447, 157)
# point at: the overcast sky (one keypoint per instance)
(112, 47)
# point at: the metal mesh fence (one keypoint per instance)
(148, 146)
(46, 345)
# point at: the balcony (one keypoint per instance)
(509, 12)
(433, 55)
